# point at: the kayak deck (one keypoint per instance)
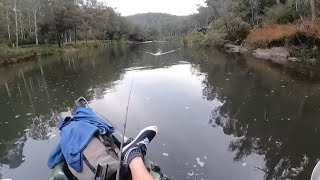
(61, 171)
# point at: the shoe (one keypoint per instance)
(81, 102)
(138, 147)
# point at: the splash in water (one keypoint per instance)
(159, 53)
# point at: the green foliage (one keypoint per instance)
(232, 26)
(10, 55)
(2, 23)
(174, 39)
(232, 20)
(152, 34)
(301, 8)
(62, 22)
(280, 14)
(65, 21)
(165, 24)
(214, 38)
(195, 39)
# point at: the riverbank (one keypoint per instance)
(280, 55)
(10, 55)
(297, 42)
(282, 43)
(15, 55)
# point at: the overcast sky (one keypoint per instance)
(175, 7)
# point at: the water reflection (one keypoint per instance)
(271, 115)
(34, 94)
(255, 108)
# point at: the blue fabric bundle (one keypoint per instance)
(76, 133)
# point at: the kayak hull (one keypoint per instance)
(61, 171)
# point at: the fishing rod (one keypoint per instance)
(124, 130)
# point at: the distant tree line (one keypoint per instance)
(61, 21)
(227, 20)
(65, 21)
(158, 24)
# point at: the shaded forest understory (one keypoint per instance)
(252, 24)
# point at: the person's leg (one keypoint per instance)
(138, 170)
(134, 152)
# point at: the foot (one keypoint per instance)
(81, 102)
(138, 147)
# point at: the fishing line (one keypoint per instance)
(124, 129)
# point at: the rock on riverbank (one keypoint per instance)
(276, 54)
(231, 48)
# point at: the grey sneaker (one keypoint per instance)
(138, 147)
(80, 102)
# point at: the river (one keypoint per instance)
(220, 116)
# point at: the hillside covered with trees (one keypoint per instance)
(254, 23)
(56, 21)
(159, 24)
(168, 25)
(292, 24)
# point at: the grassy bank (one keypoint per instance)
(9, 55)
(302, 38)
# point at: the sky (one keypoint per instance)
(174, 7)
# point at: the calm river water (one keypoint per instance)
(220, 117)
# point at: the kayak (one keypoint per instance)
(62, 172)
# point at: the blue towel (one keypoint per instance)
(76, 133)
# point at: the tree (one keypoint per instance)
(59, 21)
(34, 10)
(2, 20)
(152, 34)
(7, 7)
(16, 22)
(313, 10)
(60, 24)
(86, 19)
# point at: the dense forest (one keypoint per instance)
(292, 24)
(232, 20)
(57, 21)
(168, 26)
(162, 25)
(255, 23)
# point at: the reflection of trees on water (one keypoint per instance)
(32, 97)
(32, 100)
(14, 156)
(274, 116)
(264, 118)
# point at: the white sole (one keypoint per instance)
(152, 128)
(77, 101)
(315, 173)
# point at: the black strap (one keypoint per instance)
(113, 145)
(89, 165)
(101, 173)
(108, 142)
